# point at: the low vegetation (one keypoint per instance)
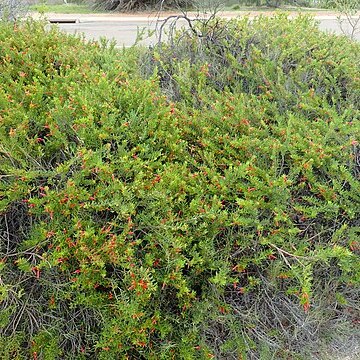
(195, 200)
(63, 8)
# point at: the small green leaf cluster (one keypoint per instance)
(210, 210)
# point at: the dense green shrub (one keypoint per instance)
(273, 106)
(210, 209)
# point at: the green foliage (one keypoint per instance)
(202, 211)
(342, 5)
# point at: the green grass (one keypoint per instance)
(63, 8)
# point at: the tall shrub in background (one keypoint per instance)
(133, 5)
(12, 9)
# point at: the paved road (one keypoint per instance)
(332, 25)
(124, 30)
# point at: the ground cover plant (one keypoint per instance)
(196, 200)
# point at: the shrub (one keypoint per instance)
(12, 9)
(131, 5)
(210, 209)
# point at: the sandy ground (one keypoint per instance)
(144, 16)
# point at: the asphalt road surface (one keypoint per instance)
(125, 33)
(125, 30)
(332, 25)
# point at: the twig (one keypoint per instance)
(283, 252)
